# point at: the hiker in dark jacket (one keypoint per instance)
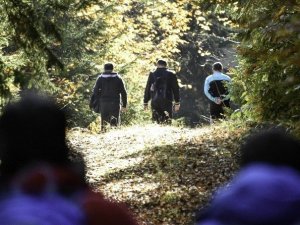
(111, 94)
(162, 88)
(216, 91)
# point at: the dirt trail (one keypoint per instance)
(163, 173)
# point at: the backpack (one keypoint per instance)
(159, 88)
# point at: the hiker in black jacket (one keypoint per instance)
(110, 93)
(162, 88)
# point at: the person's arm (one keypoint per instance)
(147, 93)
(206, 90)
(123, 93)
(96, 92)
(175, 88)
(175, 91)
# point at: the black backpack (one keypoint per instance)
(159, 88)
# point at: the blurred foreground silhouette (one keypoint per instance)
(266, 191)
(41, 182)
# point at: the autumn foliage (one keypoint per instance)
(267, 80)
(60, 47)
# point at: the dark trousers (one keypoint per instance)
(217, 111)
(110, 113)
(162, 111)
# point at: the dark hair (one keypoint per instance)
(217, 66)
(272, 147)
(108, 67)
(161, 62)
(32, 130)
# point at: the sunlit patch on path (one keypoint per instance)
(119, 149)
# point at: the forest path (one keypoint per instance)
(164, 173)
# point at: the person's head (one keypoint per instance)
(271, 147)
(32, 130)
(258, 195)
(161, 63)
(218, 67)
(108, 67)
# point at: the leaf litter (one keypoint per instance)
(163, 173)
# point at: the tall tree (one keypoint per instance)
(46, 41)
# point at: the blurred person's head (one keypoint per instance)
(273, 147)
(260, 194)
(217, 67)
(266, 189)
(161, 63)
(108, 67)
(43, 187)
(32, 130)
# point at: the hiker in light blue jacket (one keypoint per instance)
(216, 91)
